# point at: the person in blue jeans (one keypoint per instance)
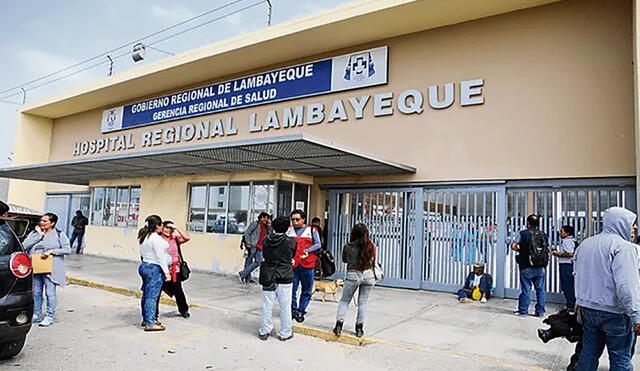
(565, 264)
(530, 275)
(606, 283)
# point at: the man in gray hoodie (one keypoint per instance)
(608, 292)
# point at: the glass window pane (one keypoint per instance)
(97, 212)
(109, 207)
(263, 199)
(284, 198)
(197, 205)
(134, 208)
(238, 208)
(122, 207)
(217, 208)
(300, 198)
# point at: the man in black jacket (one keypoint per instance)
(276, 278)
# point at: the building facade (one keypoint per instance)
(441, 125)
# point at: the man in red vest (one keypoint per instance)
(304, 262)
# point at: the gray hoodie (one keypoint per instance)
(606, 270)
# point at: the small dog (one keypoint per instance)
(327, 288)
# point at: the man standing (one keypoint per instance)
(253, 238)
(276, 277)
(608, 292)
(304, 262)
(532, 246)
(565, 263)
(79, 224)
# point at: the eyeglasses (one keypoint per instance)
(295, 219)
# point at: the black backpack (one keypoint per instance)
(538, 249)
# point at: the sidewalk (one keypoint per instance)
(418, 319)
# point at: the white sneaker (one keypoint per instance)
(36, 319)
(483, 300)
(46, 322)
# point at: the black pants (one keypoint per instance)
(174, 289)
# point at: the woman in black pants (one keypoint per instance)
(173, 287)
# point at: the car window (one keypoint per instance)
(8, 241)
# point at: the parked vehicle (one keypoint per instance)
(16, 298)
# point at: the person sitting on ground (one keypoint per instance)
(276, 278)
(477, 281)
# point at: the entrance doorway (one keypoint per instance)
(65, 206)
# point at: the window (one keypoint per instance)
(229, 207)
(115, 206)
(216, 220)
(197, 207)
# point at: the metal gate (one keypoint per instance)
(581, 208)
(461, 226)
(429, 236)
(392, 219)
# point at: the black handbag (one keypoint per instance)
(185, 271)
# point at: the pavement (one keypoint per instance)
(100, 330)
(421, 321)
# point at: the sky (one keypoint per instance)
(38, 37)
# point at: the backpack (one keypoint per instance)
(327, 263)
(538, 249)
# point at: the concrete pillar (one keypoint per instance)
(32, 146)
(636, 100)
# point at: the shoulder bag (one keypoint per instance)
(185, 271)
(378, 272)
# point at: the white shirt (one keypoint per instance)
(476, 281)
(567, 245)
(155, 250)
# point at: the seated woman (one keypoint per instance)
(476, 278)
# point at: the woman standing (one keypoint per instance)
(52, 244)
(175, 238)
(359, 255)
(154, 269)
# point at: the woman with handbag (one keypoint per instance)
(154, 270)
(360, 256)
(179, 270)
(49, 246)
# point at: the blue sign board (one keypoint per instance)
(351, 71)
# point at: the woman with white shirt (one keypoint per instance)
(154, 270)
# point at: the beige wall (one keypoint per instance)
(32, 145)
(549, 90)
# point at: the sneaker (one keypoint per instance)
(539, 315)
(521, 315)
(285, 339)
(483, 300)
(185, 315)
(155, 327)
(37, 319)
(299, 318)
(46, 322)
(465, 300)
(264, 337)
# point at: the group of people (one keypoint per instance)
(286, 249)
(600, 280)
(162, 268)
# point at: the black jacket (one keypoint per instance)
(277, 251)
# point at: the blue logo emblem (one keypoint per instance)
(111, 118)
(360, 67)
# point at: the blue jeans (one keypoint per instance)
(603, 328)
(253, 261)
(305, 276)
(152, 279)
(567, 284)
(361, 281)
(77, 235)
(529, 276)
(42, 282)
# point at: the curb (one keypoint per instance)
(303, 330)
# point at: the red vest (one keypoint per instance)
(304, 242)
